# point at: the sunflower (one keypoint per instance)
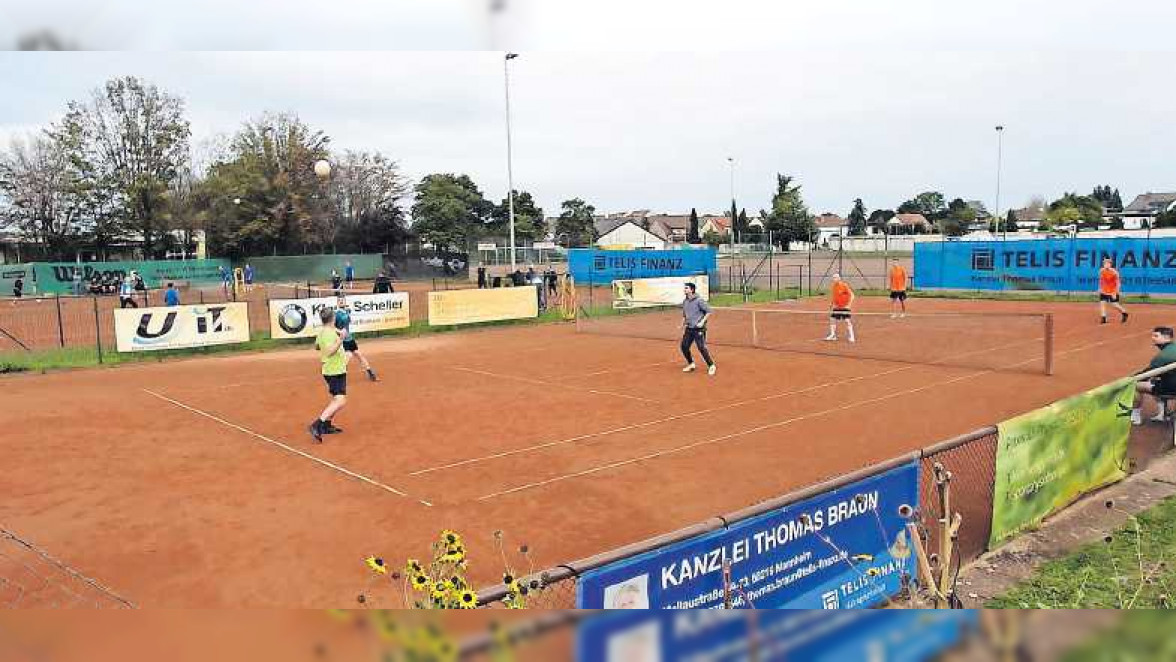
(453, 555)
(376, 564)
(414, 567)
(440, 590)
(421, 582)
(468, 600)
(450, 538)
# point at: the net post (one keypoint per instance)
(1049, 343)
(754, 329)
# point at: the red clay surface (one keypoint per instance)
(193, 483)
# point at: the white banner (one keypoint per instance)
(544, 245)
(487, 247)
(299, 318)
(648, 292)
(180, 327)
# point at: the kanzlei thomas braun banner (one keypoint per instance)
(299, 318)
(181, 327)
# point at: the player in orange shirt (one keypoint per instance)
(1109, 289)
(842, 303)
(898, 290)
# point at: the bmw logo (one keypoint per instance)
(293, 318)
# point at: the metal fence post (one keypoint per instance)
(1049, 342)
(97, 329)
(60, 326)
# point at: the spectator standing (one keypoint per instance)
(171, 297)
(349, 274)
(481, 276)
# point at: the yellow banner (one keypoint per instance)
(648, 292)
(299, 318)
(473, 306)
(181, 327)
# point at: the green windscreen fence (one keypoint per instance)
(9, 273)
(72, 277)
(312, 268)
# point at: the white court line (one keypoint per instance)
(610, 371)
(770, 426)
(329, 465)
(260, 382)
(540, 382)
(701, 412)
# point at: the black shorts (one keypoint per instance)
(1109, 298)
(336, 384)
(898, 295)
(350, 345)
(840, 314)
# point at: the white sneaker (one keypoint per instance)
(830, 337)
(893, 316)
(689, 368)
(1136, 417)
(852, 339)
(902, 315)
(712, 370)
(1158, 418)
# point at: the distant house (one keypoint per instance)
(981, 211)
(674, 227)
(1144, 209)
(627, 233)
(908, 224)
(1029, 218)
(720, 225)
(830, 225)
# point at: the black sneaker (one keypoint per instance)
(330, 428)
(1104, 321)
(316, 431)
(372, 375)
(1124, 320)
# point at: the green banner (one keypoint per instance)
(1049, 457)
(311, 268)
(9, 273)
(66, 277)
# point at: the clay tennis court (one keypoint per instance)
(193, 483)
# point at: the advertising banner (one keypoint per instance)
(1049, 457)
(1058, 264)
(599, 267)
(181, 327)
(651, 292)
(299, 318)
(473, 306)
(70, 277)
(843, 549)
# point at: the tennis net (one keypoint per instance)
(999, 341)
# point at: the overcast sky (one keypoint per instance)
(654, 130)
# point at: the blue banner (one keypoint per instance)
(843, 549)
(1060, 264)
(599, 267)
(731, 636)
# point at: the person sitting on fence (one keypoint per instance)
(171, 296)
(1163, 387)
(18, 287)
(383, 284)
(126, 294)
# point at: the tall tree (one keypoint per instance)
(1010, 222)
(789, 218)
(529, 224)
(1073, 208)
(692, 236)
(931, 204)
(857, 218)
(40, 197)
(743, 224)
(135, 136)
(1116, 201)
(263, 192)
(449, 211)
(576, 221)
(367, 189)
(733, 215)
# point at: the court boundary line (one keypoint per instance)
(540, 382)
(711, 410)
(287, 447)
(770, 426)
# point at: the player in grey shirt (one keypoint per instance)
(695, 313)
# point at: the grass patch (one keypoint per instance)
(1139, 635)
(1135, 569)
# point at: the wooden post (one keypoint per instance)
(97, 329)
(60, 326)
(1049, 343)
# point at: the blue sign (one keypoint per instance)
(733, 635)
(1145, 265)
(843, 549)
(591, 266)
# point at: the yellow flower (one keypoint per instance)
(454, 555)
(468, 600)
(450, 538)
(376, 564)
(440, 590)
(413, 568)
(421, 583)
